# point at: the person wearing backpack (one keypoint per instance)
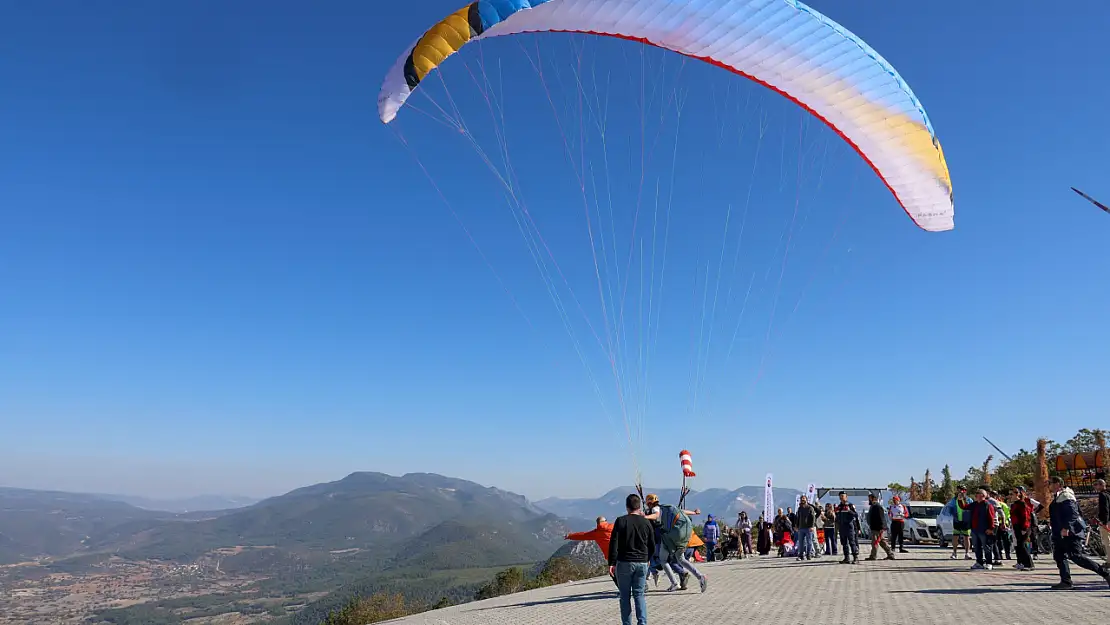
(677, 528)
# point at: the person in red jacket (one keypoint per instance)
(983, 522)
(1021, 519)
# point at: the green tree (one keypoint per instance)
(506, 582)
(561, 570)
(1018, 471)
(901, 490)
(444, 602)
(947, 486)
(376, 608)
(1084, 441)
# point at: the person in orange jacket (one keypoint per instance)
(601, 535)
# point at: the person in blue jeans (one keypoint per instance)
(983, 524)
(630, 550)
(807, 520)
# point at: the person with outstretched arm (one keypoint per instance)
(600, 534)
(631, 546)
(672, 561)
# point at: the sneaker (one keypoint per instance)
(977, 567)
(967, 556)
(902, 551)
(989, 567)
(1019, 566)
(952, 557)
(672, 588)
(889, 556)
(704, 581)
(1062, 586)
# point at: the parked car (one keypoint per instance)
(922, 526)
(945, 524)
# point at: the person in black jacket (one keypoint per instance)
(630, 549)
(1103, 516)
(807, 521)
(1068, 529)
(876, 522)
(847, 526)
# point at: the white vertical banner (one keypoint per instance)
(811, 493)
(797, 502)
(768, 501)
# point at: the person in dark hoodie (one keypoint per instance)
(876, 522)
(807, 520)
(1068, 530)
(983, 523)
(847, 522)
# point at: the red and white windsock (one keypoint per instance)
(687, 464)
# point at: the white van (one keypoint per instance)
(922, 527)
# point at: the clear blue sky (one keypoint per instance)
(220, 272)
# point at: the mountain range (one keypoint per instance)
(722, 503)
(427, 536)
(198, 503)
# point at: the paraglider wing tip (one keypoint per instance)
(389, 103)
(396, 88)
(942, 222)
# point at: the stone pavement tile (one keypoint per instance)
(921, 587)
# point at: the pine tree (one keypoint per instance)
(947, 485)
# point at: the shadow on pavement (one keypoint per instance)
(987, 590)
(593, 596)
(978, 590)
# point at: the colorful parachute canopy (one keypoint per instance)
(1092, 200)
(781, 44)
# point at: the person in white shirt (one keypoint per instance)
(898, 514)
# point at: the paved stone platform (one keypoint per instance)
(924, 587)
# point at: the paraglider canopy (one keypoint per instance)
(783, 45)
